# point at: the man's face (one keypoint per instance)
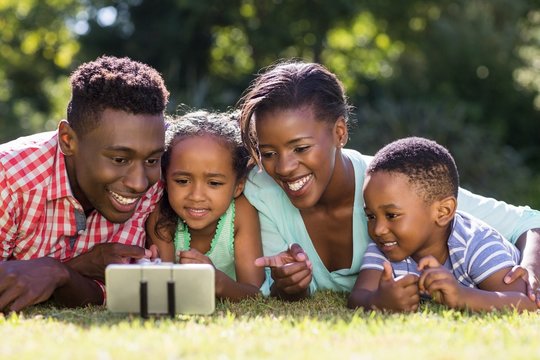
(112, 166)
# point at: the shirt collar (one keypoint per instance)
(59, 186)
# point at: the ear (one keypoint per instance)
(239, 187)
(67, 138)
(445, 210)
(341, 132)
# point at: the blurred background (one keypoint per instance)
(464, 73)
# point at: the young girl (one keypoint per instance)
(203, 216)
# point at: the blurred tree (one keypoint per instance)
(36, 51)
(463, 72)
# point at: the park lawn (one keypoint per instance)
(318, 328)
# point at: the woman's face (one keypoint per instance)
(299, 152)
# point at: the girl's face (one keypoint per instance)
(299, 152)
(399, 220)
(201, 182)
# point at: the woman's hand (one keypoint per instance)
(291, 271)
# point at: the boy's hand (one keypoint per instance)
(399, 294)
(439, 283)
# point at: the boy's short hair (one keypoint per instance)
(115, 83)
(430, 167)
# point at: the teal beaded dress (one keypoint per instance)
(222, 246)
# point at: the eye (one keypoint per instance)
(153, 162)
(119, 160)
(268, 154)
(215, 183)
(370, 217)
(181, 181)
(301, 149)
(391, 216)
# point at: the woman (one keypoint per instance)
(294, 119)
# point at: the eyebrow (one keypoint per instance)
(386, 207)
(130, 150)
(290, 142)
(210, 175)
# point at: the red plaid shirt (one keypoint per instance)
(37, 207)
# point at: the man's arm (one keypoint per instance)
(28, 282)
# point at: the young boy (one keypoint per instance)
(76, 199)
(410, 194)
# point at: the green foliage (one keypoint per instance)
(468, 65)
(36, 48)
(485, 165)
(317, 328)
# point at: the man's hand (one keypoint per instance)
(29, 282)
(399, 294)
(92, 264)
(291, 271)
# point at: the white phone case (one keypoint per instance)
(194, 291)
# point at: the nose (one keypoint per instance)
(136, 178)
(379, 227)
(286, 164)
(196, 192)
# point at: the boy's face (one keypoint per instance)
(400, 222)
(111, 167)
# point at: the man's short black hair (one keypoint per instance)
(430, 167)
(115, 83)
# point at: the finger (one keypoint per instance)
(432, 275)
(154, 252)
(130, 251)
(516, 273)
(191, 254)
(428, 262)
(8, 296)
(408, 280)
(297, 252)
(296, 282)
(290, 269)
(388, 272)
(270, 261)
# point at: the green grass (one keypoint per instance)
(317, 328)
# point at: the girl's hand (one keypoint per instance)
(193, 256)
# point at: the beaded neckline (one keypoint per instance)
(182, 238)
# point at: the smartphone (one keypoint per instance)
(164, 288)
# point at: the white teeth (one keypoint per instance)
(123, 200)
(297, 185)
(390, 243)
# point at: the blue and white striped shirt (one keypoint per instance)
(476, 251)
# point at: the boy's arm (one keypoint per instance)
(247, 248)
(492, 293)
(378, 290)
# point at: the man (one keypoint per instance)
(74, 200)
